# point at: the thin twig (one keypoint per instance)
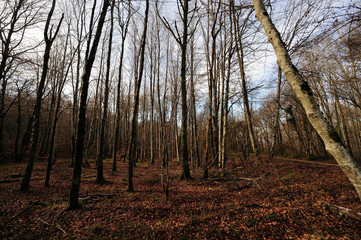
(254, 180)
(56, 225)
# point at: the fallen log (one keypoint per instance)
(343, 211)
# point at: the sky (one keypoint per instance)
(261, 67)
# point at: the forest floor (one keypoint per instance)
(281, 200)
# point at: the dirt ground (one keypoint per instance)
(279, 200)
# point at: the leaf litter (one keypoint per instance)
(260, 205)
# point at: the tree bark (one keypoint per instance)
(163, 149)
(182, 40)
(75, 107)
(138, 82)
(100, 173)
(276, 125)
(18, 126)
(225, 97)
(247, 110)
(185, 165)
(26, 138)
(74, 192)
(44, 143)
(305, 95)
(124, 31)
(195, 144)
(5, 55)
(49, 39)
(59, 87)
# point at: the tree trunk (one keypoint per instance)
(44, 143)
(163, 149)
(185, 165)
(49, 39)
(154, 73)
(60, 86)
(117, 134)
(143, 146)
(52, 142)
(247, 109)
(195, 144)
(276, 125)
(240, 55)
(18, 126)
(305, 95)
(344, 131)
(138, 82)
(93, 127)
(225, 98)
(74, 192)
(5, 55)
(98, 108)
(100, 173)
(75, 107)
(26, 138)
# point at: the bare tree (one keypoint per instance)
(276, 125)
(238, 33)
(301, 20)
(193, 111)
(61, 77)
(138, 82)
(305, 95)
(80, 15)
(100, 175)
(211, 34)
(49, 37)
(163, 144)
(74, 192)
(227, 56)
(123, 24)
(15, 18)
(182, 39)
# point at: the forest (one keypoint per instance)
(183, 119)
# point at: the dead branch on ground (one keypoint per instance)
(343, 211)
(56, 225)
(32, 204)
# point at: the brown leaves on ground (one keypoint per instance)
(278, 201)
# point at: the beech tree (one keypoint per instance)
(59, 84)
(300, 22)
(138, 81)
(16, 17)
(211, 34)
(182, 39)
(195, 155)
(123, 24)
(306, 97)
(239, 31)
(49, 37)
(80, 29)
(226, 67)
(100, 174)
(74, 192)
